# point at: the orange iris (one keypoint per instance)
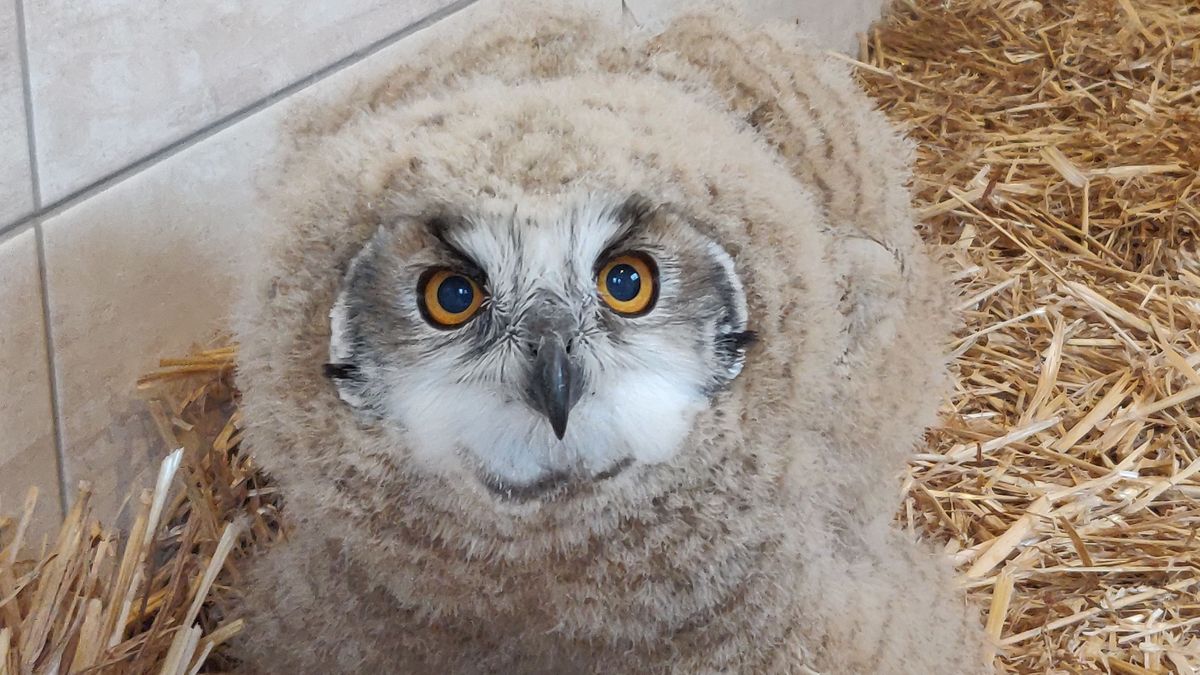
(628, 284)
(448, 298)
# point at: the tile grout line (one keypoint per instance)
(27, 100)
(14, 225)
(64, 494)
(47, 328)
(213, 128)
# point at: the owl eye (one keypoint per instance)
(628, 283)
(447, 298)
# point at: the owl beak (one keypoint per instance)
(554, 383)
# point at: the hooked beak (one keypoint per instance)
(554, 383)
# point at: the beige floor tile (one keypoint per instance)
(114, 81)
(16, 190)
(27, 454)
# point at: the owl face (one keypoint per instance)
(531, 349)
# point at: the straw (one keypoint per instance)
(1081, 284)
(154, 601)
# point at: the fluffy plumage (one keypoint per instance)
(762, 542)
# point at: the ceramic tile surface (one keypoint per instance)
(16, 191)
(27, 454)
(113, 81)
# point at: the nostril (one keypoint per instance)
(532, 348)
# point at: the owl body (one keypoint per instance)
(557, 485)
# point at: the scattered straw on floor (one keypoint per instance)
(1058, 167)
(1059, 148)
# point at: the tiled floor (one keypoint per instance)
(152, 128)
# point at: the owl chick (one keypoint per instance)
(587, 351)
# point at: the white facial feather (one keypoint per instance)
(462, 409)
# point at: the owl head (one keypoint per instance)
(539, 345)
(558, 264)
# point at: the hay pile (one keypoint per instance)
(1058, 169)
(1059, 149)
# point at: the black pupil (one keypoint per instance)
(623, 282)
(455, 294)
